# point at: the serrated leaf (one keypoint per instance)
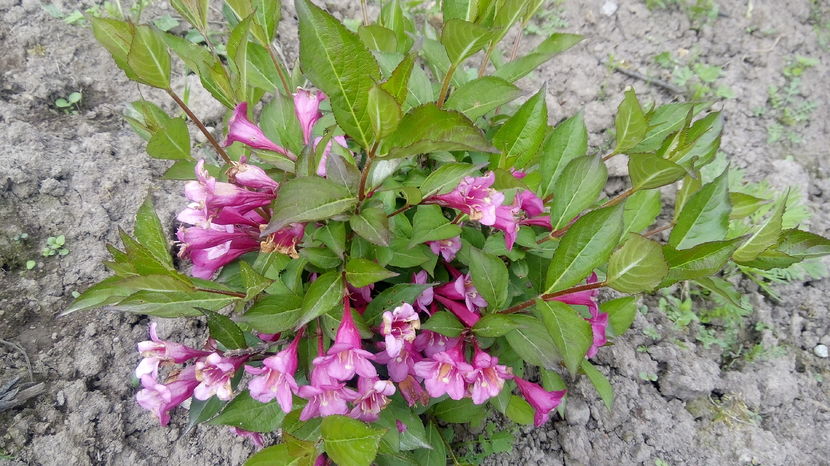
(116, 36)
(349, 441)
(372, 225)
(705, 216)
(148, 58)
(520, 137)
(267, 15)
(630, 123)
(338, 63)
(577, 189)
(445, 178)
(570, 333)
(698, 261)
(224, 330)
(171, 142)
(744, 205)
(172, 304)
(641, 209)
(462, 39)
(699, 144)
(586, 245)
(479, 96)
(406, 256)
(637, 266)
(363, 272)
(651, 171)
(246, 413)
(550, 47)
(392, 297)
(490, 277)
(384, 112)
(274, 313)
(150, 233)
(398, 83)
(663, 121)
(427, 129)
(306, 199)
(280, 124)
(722, 288)
(566, 142)
(324, 294)
(764, 236)
(445, 323)
(429, 224)
(461, 411)
(252, 280)
(519, 411)
(803, 244)
(621, 313)
(531, 341)
(494, 325)
(193, 11)
(600, 383)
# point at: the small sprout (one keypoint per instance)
(75, 294)
(648, 377)
(67, 103)
(652, 333)
(55, 245)
(30, 264)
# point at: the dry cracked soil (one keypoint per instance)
(83, 173)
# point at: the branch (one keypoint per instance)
(219, 149)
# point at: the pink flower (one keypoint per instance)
(321, 167)
(446, 248)
(527, 209)
(599, 323)
(598, 320)
(210, 194)
(423, 300)
(542, 401)
(474, 197)
(430, 343)
(157, 350)
(251, 176)
(346, 357)
(214, 374)
(444, 373)
(462, 289)
(400, 365)
(207, 261)
(325, 396)
(506, 221)
(275, 379)
(374, 396)
(285, 240)
(360, 297)
(241, 129)
(400, 426)
(412, 391)
(307, 110)
(160, 399)
(487, 377)
(398, 327)
(255, 437)
(211, 248)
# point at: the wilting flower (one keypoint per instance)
(241, 129)
(474, 197)
(285, 240)
(346, 357)
(157, 350)
(325, 396)
(446, 248)
(307, 110)
(423, 300)
(462, 289)
(374, 396)
(486, 380)
(255, 437)
(444, 373)
(542, 401)
(399, 326)
(429, 342)
(275, 379)
(160, 399)
(400, 365)
(214, 374)
(412, 391)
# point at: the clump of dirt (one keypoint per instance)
(81, 175)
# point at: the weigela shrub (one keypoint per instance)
(385, 242)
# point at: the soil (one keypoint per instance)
(83, 174)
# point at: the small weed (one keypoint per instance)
(820, 19)
(30, 264)
(700, 79)
(549, 19)
(731, 410)
(642, 349)
(648, 376)
(652, 333)
(786, 104)
(55, 246)
(69, 104)
(21, 237)
(699, 12)
(493, 440)
(661, 462)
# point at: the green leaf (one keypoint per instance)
(459, 9)
(429, 224)
(173, 303)
(723, 289)
(377, 37)
(437, 454)
(398, 83)
(446, 178)
(427, 129)
(194, 12)
(621, 313)
(292, 452)
(637, 266)
(630, 123)
(363, 272)
(321, 257)
(461, 411)
(641, 209)
(260, 68)
(116, 36)
(586, 245)
(494, 325)
(531, 341)
(252, 280)
(445, 323)
(392, 297)
(171, 142)
(405, 256)
(570, 333)
(744, 205)
(462, 39)
(565, 143)
(577, 189)
(550, 47)
(651, 171)
(148, 58)
(600, 383)
(490, 277)
(372, 225)
(803, 244)
(150, 233)
(705, 216)
(348, 441)
(479, 96)
(280, 124)
(700, 142)
(104, 292)
(764, 236)
(249, 414)
(324, 294)
(267, 16)
(698, 261)
(307, 199)
(519, 411)
(384, 112)
(520, 137)
(224, 330)
(337, 62)
(274, 314)
(663, 121)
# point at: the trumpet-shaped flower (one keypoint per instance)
(542, 401)
(374, 396)
(398, 327)
(160, 399)
(307, 110)
(285, 240)
(527, 209)
(325, 396)
(156, 350)
(486, 380)
(446, 248)
(423, 300)
(430, 343)
(251, 176)
(475, 197)
(444, 373)
(346, 357)
(241, 129)
(256, 437)
(400, 365)
(275, 379)
(214, 374)
(462, 289)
